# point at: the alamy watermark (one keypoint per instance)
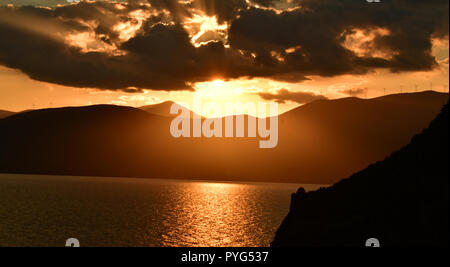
(213, 127)
(72, 242)
(373, 242)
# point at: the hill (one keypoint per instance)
(402, 201)
(321, 142)
(4, 114)
(97, 140)
(331, 139)
(163, 109)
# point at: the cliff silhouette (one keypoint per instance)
(345, 135)
(403, 201)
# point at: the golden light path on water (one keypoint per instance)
(226, 214)
(208, 215)
(100, 211)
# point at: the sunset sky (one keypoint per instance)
(142, 52)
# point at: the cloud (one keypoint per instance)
(355, 92)
(45, 54)
(223, 10)
(146, 44)
(444, 62)
(284, 95)
(320, 27)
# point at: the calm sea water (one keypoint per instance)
(47, 210)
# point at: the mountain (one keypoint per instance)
(331, 139)
(4, 114)
(163, 109)
(402, 201)
(95, 140)
(320, 142)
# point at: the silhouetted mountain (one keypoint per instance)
(4, 114)
(96, 140)
(346, 135)
(163, 109)
(320, 142)
(402, 200)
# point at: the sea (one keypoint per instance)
(37, 210)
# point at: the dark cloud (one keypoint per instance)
(133, 90)
(166, 49)
(319, 28)
(268, 42)
(103, 14)
(223, 10)
(38, 52)
(264, 3)
(277, 4)
(284, 95)
(177, 9)
(355, 91)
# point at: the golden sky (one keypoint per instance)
(205, 28)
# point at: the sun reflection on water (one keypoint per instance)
(139, 212)
(213, 214)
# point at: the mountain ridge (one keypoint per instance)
(5, 113)
(163, 109)
(127, 142)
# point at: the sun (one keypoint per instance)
(214, 90)
(218, 83)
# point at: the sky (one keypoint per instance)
(57, 53)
